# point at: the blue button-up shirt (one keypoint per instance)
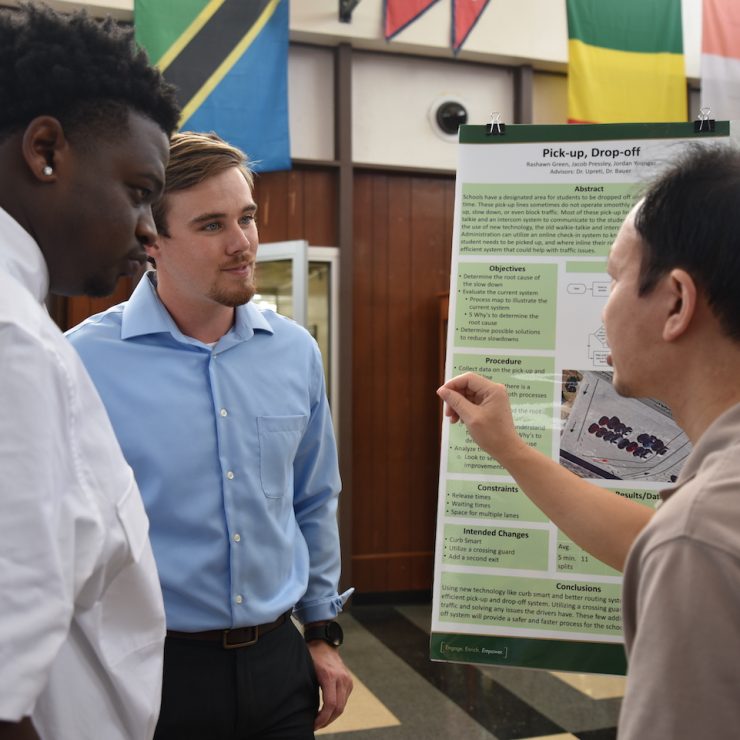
(234, 451)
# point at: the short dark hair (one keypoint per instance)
(194, 157)
(86, 73)
(690, 219)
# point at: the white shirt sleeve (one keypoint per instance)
(38, 518)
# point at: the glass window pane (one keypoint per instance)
(319, 311)
(275, 286)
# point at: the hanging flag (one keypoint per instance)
(625, 61)
(720, 58)
(229, 61)
(400, 13)
(465, 14)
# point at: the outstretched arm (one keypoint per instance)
(601, 522)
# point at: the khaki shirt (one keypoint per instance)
(681, 601)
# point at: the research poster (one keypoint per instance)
(536, 211)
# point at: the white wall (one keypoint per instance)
(394, 99)
(311, 102)
(509, 31)
(396, 83)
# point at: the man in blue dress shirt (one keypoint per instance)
(231, 441)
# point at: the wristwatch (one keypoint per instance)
(329, 632)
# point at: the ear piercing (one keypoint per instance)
(48, 170)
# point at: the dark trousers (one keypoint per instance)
(267, 691)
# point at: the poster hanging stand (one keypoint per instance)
(704, 124)
(495, 127)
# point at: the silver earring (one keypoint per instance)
(48, 171)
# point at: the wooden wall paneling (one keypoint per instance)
(320, 196)
(401, 253)
(449, 217)
(344, 225)
(366, 478)
(79, 307)
(370, 388)
(398, 365)
(270, 194)
(294, 206)
(375, 490)
(300, 204)
(430, 276)
(297, 204)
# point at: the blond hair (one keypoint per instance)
(194, 157)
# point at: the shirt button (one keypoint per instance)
(224, 412)
(237, 537)
(230, 475)
(239, 598)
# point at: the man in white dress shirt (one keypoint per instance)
(84, 127)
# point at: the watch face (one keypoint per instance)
(334, 634)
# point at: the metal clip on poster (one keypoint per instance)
(704, 124)
(495, 127)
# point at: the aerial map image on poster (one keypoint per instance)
(607, 436)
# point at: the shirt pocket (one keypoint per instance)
(279, 437)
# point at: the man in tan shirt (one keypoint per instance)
(673, 326)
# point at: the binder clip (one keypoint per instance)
(704, 124)
(495, 127)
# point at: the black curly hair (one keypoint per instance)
(86, 73)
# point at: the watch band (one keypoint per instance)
(329, 632)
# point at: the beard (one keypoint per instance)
(233, 297)
(99, 286)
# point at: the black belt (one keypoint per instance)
(234, 638)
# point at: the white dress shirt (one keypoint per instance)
(81, 615)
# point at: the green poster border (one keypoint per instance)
(557, 655)
(545, 653)
(529, 133)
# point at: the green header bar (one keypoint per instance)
(645, 26)
(531, 133)
(558, 655)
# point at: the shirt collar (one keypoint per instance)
(21, 257)
(144, 313)
(720, 434)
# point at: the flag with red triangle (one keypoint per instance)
(465, 14)
(400, 13)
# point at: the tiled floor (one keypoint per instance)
(401, 695)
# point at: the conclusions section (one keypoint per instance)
(549, 605)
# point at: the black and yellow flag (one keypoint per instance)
(229, 61)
